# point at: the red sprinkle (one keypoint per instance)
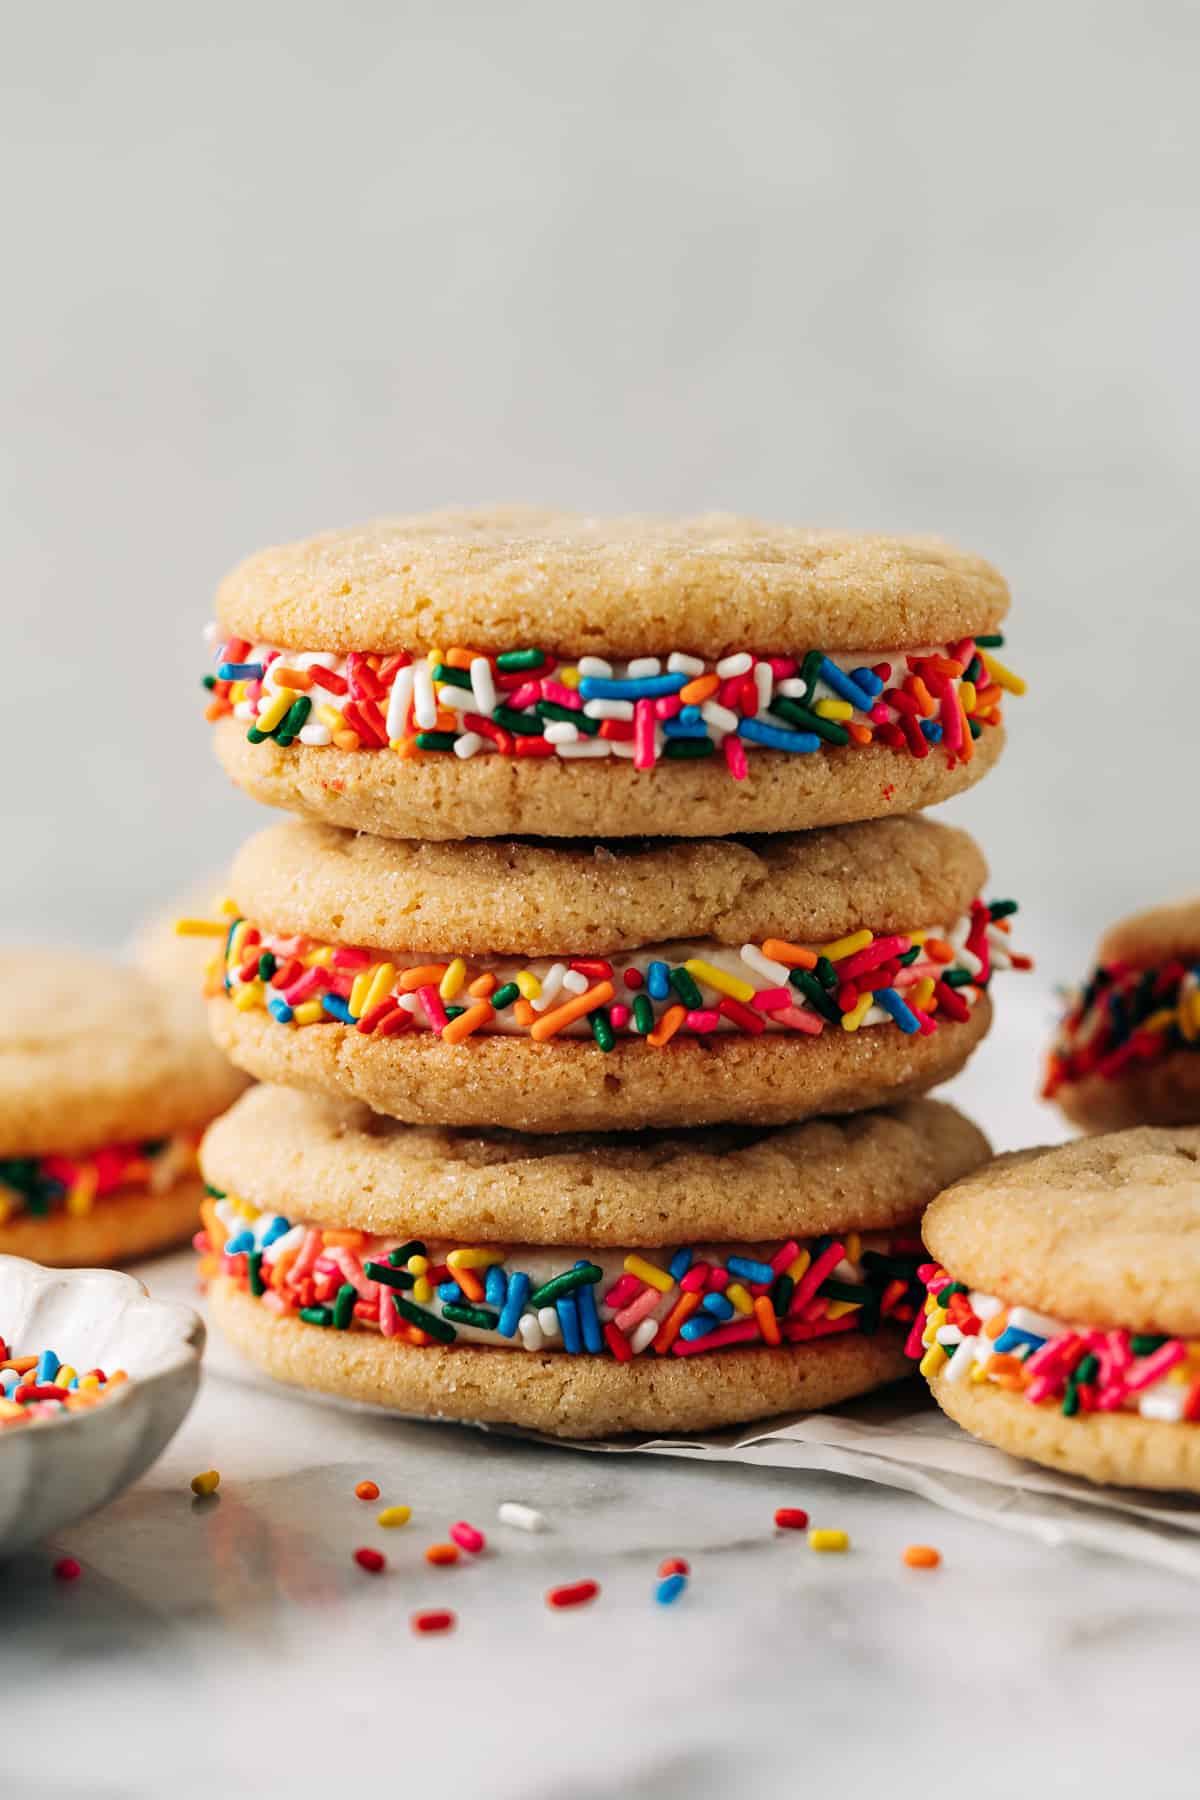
(367, 1490)
(575, 1593)
(434, 1621)
(791, 1518)
(674, 1565)
(67, 1569)
(373, 1561)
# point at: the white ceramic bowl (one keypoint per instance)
(59, 1469)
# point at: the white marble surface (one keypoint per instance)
(231, 1647)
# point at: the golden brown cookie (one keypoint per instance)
(502, 671)
(506, 983)
(106, 1080)
(1125, 1051)
(1064, 1322)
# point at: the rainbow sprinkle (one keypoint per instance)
(698, 989)
(40, 1185)
(603, 1303)
(39, 1387)
(962, 1335)
(1122, 1017)
(524, 702)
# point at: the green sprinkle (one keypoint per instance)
(1087, 1369)
(812, 990)
(290, 725)
(390, 1277)
(795, 714)
(436, 740)
(441, 1329)
(976, 728)
(209, 682)
(550, 709)
(1070, 1403)
(602, 1029)
(404, 1252)
(826, 974)
(680, 749)
(266, 965)
(910, 956)
(958, 978)
(1002, 909)
(154, 1146)
(643, 1015)
(316, 1315)
(343, 1306)
(686, 988)
(1145, 1344)
(480, 1316)
(254, 1265)
(973, 671)
(455, 1012)
(519, 723)
(558, 1285)
(504, 996)
(449, 677)
(810, 672)
(842, 1290)
(782, 1289)
(511, 660)
(212, 1192)
(255, 736)
(991, 640)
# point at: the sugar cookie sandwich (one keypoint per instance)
(576, 1285)
(106, 1082)
(493, 672)
(1126, 1051)
(1064, 1306)
(614, 986)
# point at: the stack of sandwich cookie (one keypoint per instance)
(601, 1036)
(106, 1083)
(1125, 1052)
(1062, 1321)
(636, 1281)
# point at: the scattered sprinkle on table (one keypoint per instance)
(427, 1622)
(373, 1561)
(467, 1538)
(367, 1490)
(674, 1565)
(574, 1593)
(205, 1483)
(392, 1516)
(791, 1518)
(828, 1540)
(442, 1555)
(670, 1588)
(525, 1518)
(922, 1556)
(67, 1569)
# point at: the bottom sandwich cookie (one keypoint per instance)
(584, 1286)
(1062, 1321)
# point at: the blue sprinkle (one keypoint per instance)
(669, 1589)
(718, 1306)
(683, 728)
(868, 681)
(689, 714)
(845, 686)
(449, 1293)
(1011, 1338)
(568, 1323)
(47, 1366)
(333, 1003)
(932, 729)
(8, 1380)
(679, 1264)
(240, 672)
(519, 1287)
(589, 1318)
(279, 1009)
(746, 1268)
(698, 1326)
(658, 981)
(775, 738)
(278, 1227)
(652, 687)
(495, 1286)
(243, 1240)
(891, 1002)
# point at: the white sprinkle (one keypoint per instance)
(793, 688)
(629, 751)
(713, 713)
(961, 1362)
(642, 667)
(525, 1518)
(245, 710)
(456, 699)
(401, 694)
(531, 1332)
(643, 1336)
(585, 747)
(1024, 1318)
(678, 664)
(468, 745)
(775, 972)
(425, 707)
(575, 982)
(552, 981)
(948, 1335)
(764, 681)
(547, 1320)
(984, 1306)
(735, 665)
(315, 734)
(1165, 1403)
(561, 731)
(407, 1002)
(609, 709)
(596, 667)
(483, 688)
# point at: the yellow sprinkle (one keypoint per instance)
(452, 980)
(418, 1265)
(308, 1012)
(422, 1291)
(1158, 1021)
(358, 993)
(917, 937)
(837, 1309)
(568, 677)
(392, 1516)
(798, 1266)
(382, 982)
(854, 1018)
(847, 946)
(331, 718)
(967, 695)
(482, 1257)
(529, 986)
(64, 1375)
(853, 1244)
(273, 712)
(923, 992)
(200, 928)
(81, 1196)
(205, 1484)
(647, 1272)
(88, 1381)
(237, 939)
(8, 1205)
(717, 978)
(1189, 1022)
(932, 1360)
(834, 709)
(1000, 675)
(10, 1410)
(227, 906)
(828, 1540)
(979, 1371)
(739, 1297)
(247, 995)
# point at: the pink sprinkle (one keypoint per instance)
(643, 735)
(784, 1256)
(638, 1309)
(274, 1301)
(352, 1271)
(881, 951)
(562, 696)
(619, 1015)
(346, 958)
(739, 1331)
(782, 667)
(695, 1278)
(815, 1274)
(467, 1538)
(718, 1281)
(703, 1020)
(879, 714)
(735, 756)
(667, 706)
(811, 1023)
(435, 1012)
(304, 986)
(772, 999)
(524, 696)
(1152, 1368)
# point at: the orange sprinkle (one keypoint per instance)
(22, 1364)
(282, 1264)
(862, 734)
(442, 1555)
(668, 1331)
(467, 1279)
(549, 1024)
(346, 740)
(349, 1240)
(794, 956)
(922, 1556)
(922, 696)
(367, 1490)
(299, 679)
(667, 1026)
(483, 987)
(428, 975)
(703, 688)
(523, 1012)
(938, 950)
(406, 747)
(995, 1325)
(216, 709)
(458, 658)
(768, 1324)
(467, 1022)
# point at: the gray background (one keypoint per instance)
(925, 266)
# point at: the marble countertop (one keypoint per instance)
(233, 1646)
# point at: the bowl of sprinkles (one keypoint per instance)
(95, 1379)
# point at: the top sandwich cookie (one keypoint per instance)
(624, 985)
(1063, 1319)
(1125, 1052)
(479, 673)
(106, 1081)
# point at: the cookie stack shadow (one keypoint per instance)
(562, 1126)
